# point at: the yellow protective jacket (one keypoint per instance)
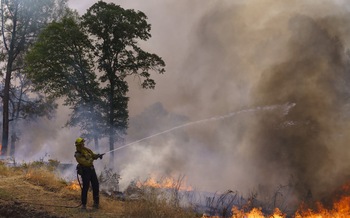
(85, 156)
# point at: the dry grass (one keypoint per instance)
(153, 206)
(154, 202)
(69, 193)
(36, 186)
(6, 171)
(45, 178)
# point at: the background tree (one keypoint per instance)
(26, 105)
(21, 21)
(60, 64)
(115, 33)
(64, 60)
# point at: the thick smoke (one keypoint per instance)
(257, 53)
(314, 76)
(229, 56)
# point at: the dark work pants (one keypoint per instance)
(89, 176)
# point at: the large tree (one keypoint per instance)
(115, 33)
(61, 66)
(106, 41)
(21, 21)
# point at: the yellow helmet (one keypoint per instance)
(79, 141)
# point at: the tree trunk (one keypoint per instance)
(111, 122)
(6, 98)
(5, 119)
(111, 144)
(13, 143)
(111, 137)
(94, 129)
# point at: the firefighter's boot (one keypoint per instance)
(96, 203)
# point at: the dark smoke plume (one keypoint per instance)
(314, 76)
(249, 54)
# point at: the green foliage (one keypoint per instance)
(60, 65)
(115, 32)
(21, 21)
(64, 60)
(64, 68)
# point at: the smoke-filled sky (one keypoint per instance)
(240, 56)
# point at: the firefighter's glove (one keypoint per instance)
(100, 156)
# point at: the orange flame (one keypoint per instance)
(339, 209)
(165, 183)
(255, 213)
(74, 185)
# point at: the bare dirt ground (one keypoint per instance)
(21, 198)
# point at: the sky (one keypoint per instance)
(255, 96)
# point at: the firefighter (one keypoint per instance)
(85, 158)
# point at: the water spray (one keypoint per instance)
(285, 107)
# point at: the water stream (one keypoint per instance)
(284, 107)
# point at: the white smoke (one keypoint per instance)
(217, 55)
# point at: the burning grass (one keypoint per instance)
(153, 200)
(37, 183)
(74, 185)
(256, 213)
(339, 208)
(165, 183)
